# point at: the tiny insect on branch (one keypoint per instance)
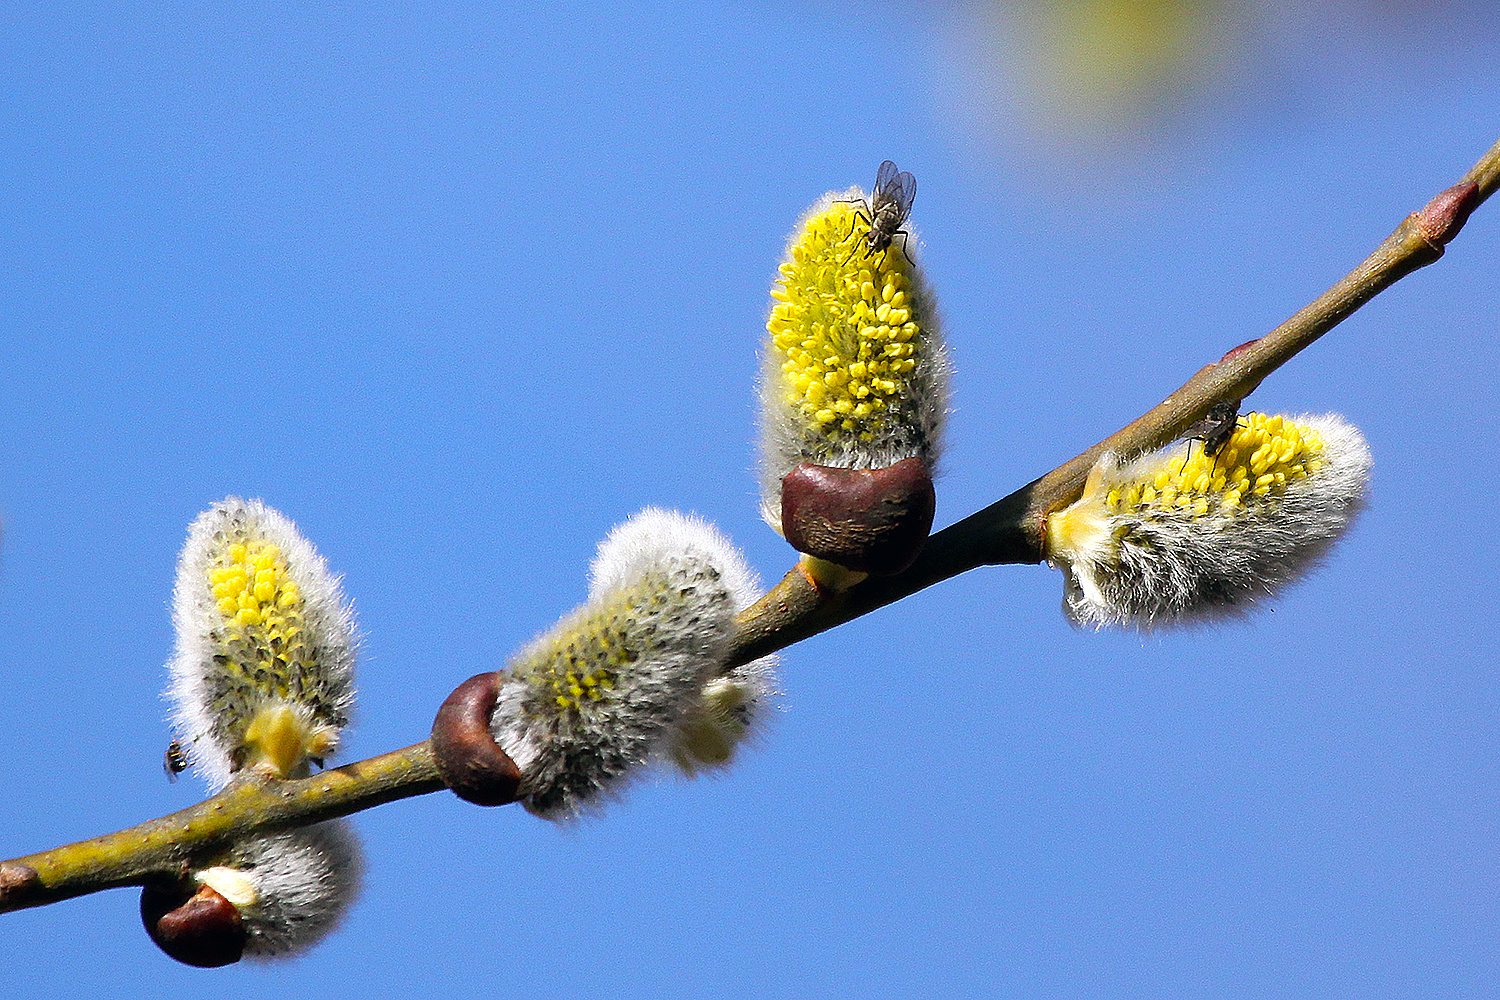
(887, 210)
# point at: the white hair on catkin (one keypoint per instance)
(729, 711)
(224, 671)
(302, 882)
(1177, 566)
(670, 542)
(584, 705)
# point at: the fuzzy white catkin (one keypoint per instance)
(1158, 563)
(585, 704)
(251, 641)
(301, 881)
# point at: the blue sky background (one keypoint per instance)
(459, 288)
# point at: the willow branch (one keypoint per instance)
(172, 844)
(1009, 531)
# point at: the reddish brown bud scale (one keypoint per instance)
(17, 882)
(1239, 348)
(1443, 216)
(468, 759)
(205, 930)
(870, 520)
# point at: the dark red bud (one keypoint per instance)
(1238, 349)
(205, 930)
(1443, 216)
(468, 759)
(869, 520)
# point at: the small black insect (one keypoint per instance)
(1216, 427)
(175, 761)
(888, 207)
(890, 204)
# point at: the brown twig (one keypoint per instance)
(1009, 531)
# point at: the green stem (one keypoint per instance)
(189, 838)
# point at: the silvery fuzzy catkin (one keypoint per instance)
(1177, 536)
(584, 705)
(729, 710)
(290, 888)
(262, 677)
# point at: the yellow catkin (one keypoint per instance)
(1180, 534)
(572, 669)
(1262, 457)
(842, 325)
(263, 610)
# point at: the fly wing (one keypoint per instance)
(905, 192)
(895, 190)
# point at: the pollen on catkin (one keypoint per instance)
(262, 677)
(1180, 535)
(585, 704)
(290, 888)
(855, 375)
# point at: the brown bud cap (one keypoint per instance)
(870, 520)
(204, 930)
(1443, 216)
(468, 759)
(17, 882)
(1239, 349)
